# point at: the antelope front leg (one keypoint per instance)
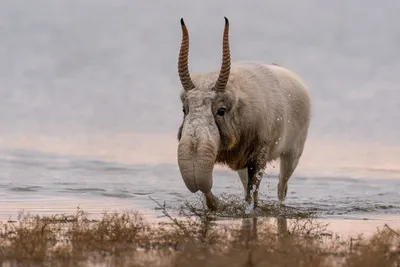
(255, 174)
(257, 182)
(250, 183)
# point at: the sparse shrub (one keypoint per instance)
(196, 239)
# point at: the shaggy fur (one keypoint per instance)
(267, 117)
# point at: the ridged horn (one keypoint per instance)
(183, 68)
(226, 60)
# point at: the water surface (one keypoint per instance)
(46, 183)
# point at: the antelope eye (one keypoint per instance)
(221, 111)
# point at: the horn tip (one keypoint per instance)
(182, 22)
(226, 20)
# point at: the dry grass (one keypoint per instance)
(126, 239)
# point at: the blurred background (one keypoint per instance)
(98, 78)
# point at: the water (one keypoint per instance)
(89, 100)
(45, 183)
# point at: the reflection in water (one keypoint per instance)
(350, 227)
(249, 227)
(282, 226)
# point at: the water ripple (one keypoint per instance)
(25, 188)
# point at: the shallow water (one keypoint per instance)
(46, 183)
